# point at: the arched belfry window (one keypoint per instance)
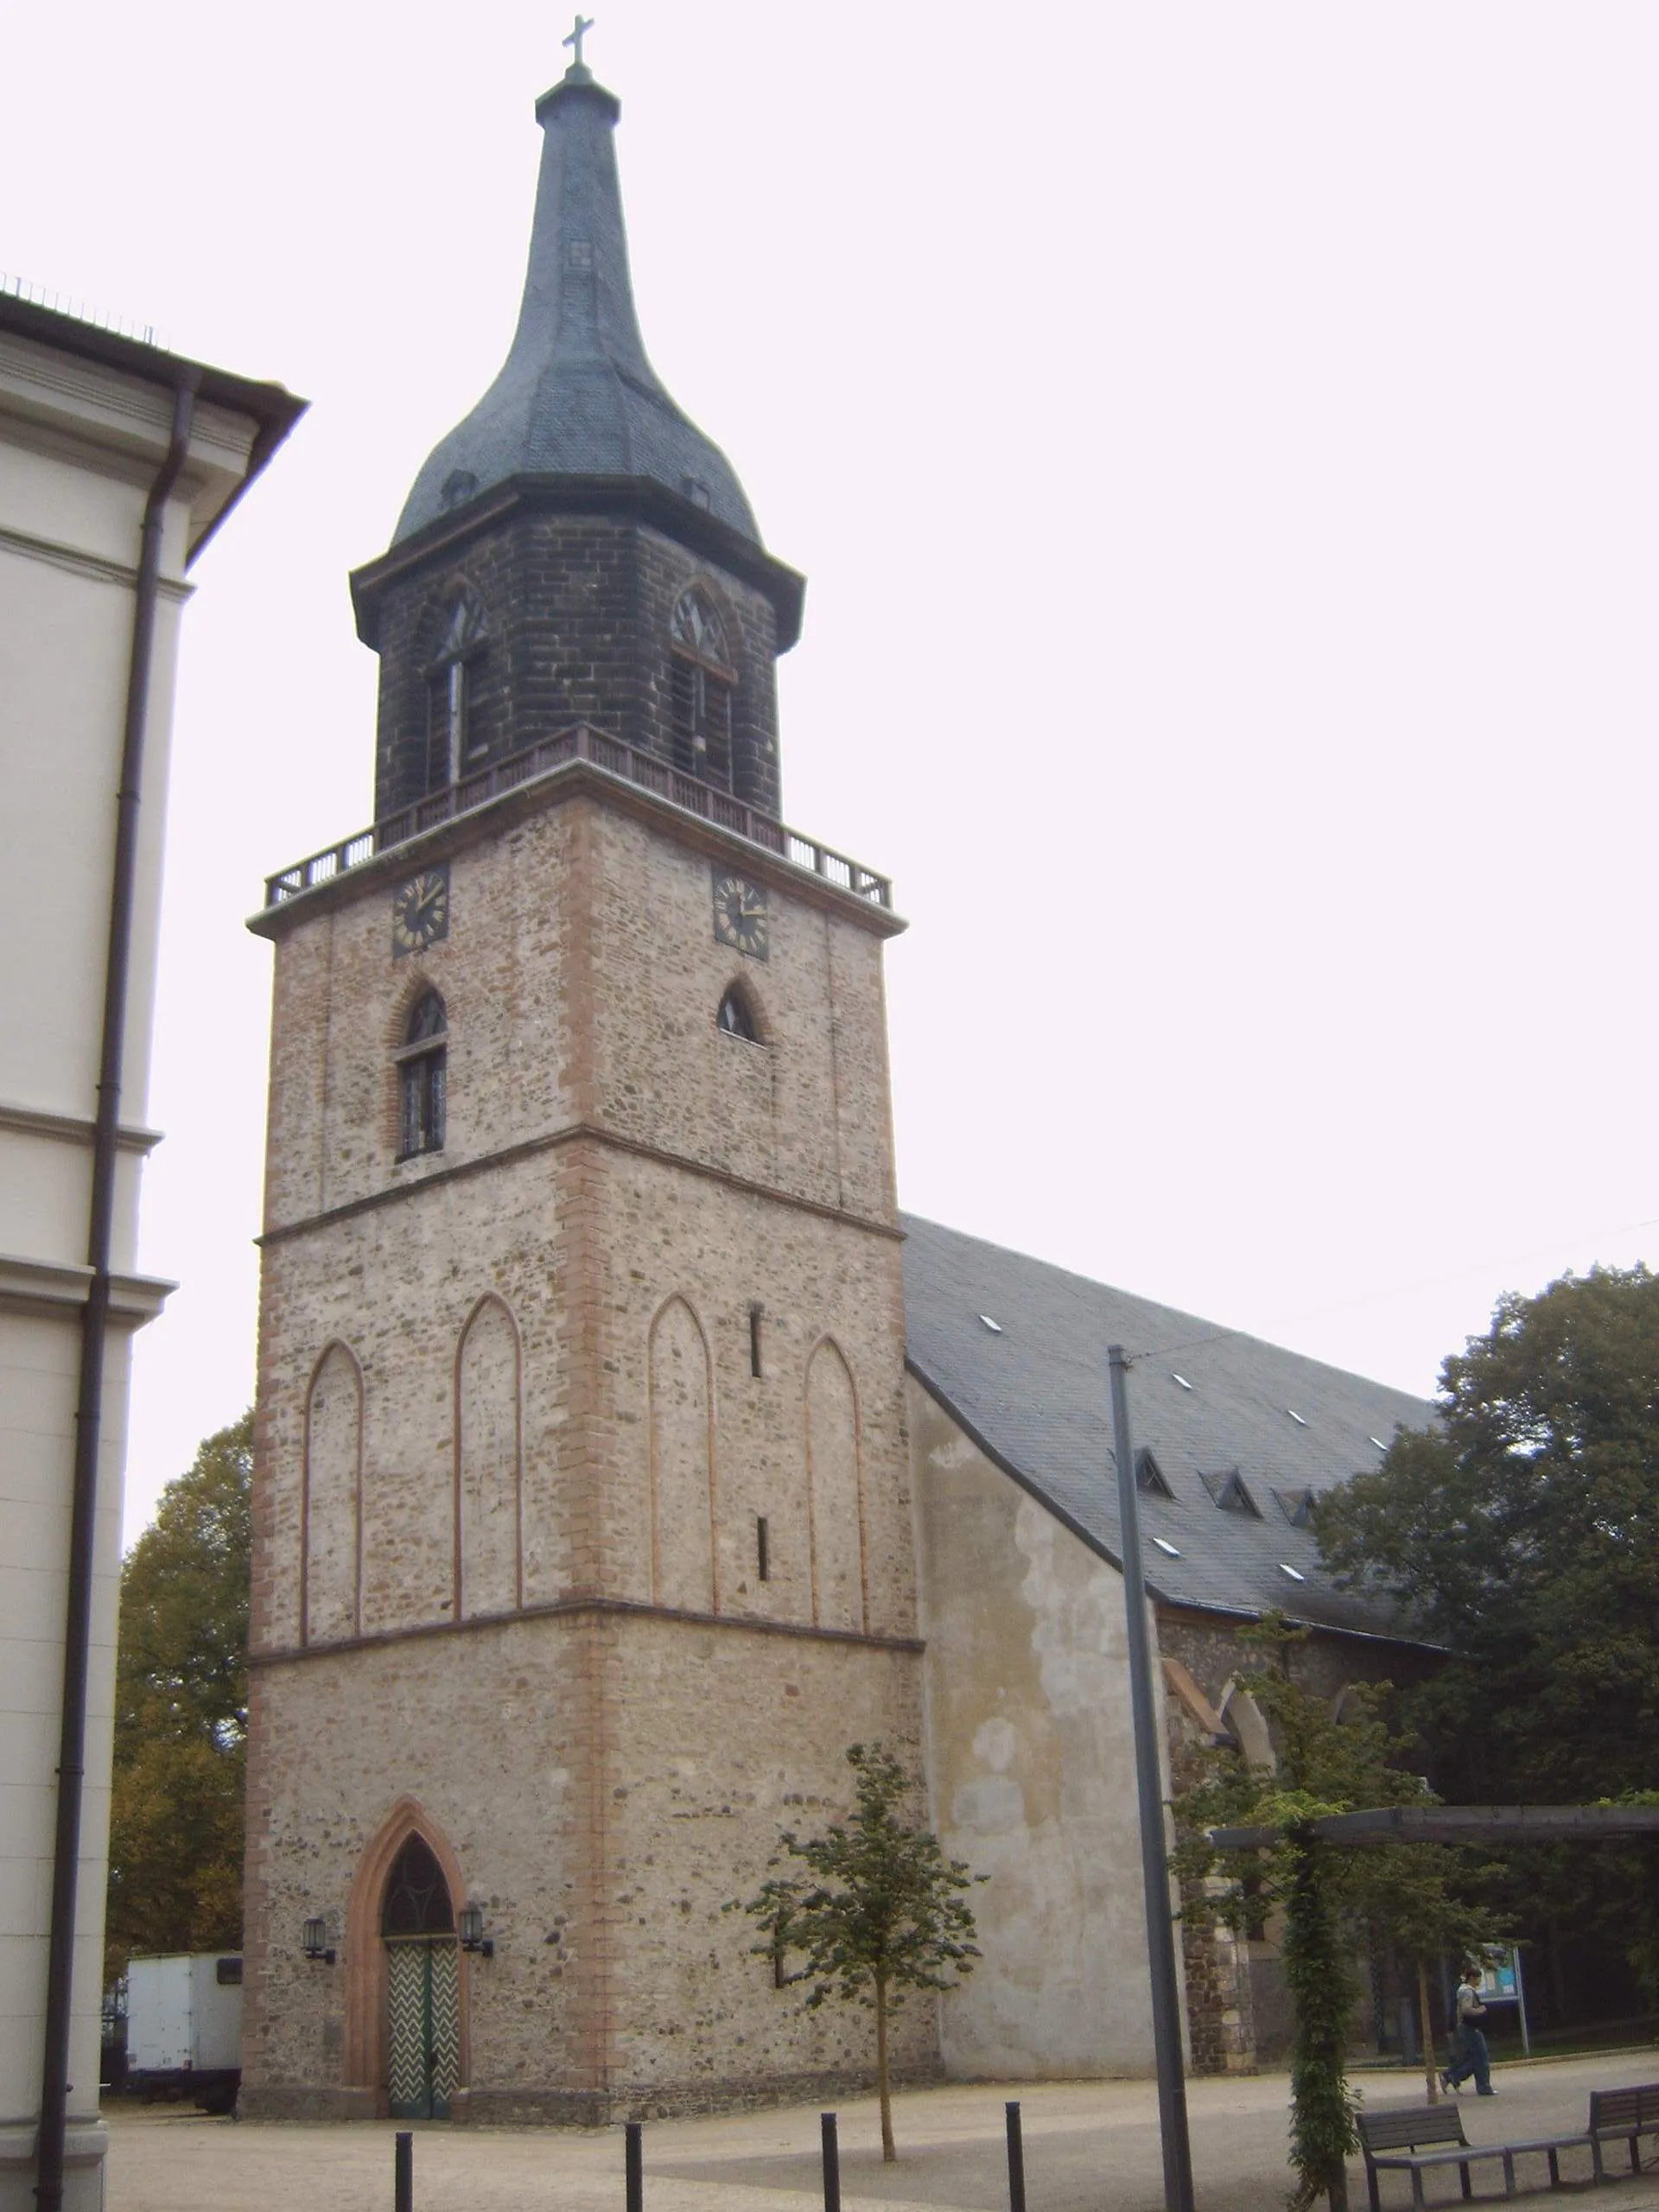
(700, 689)
(422, 1078)
(417, 1901)
(736, 1017)
(453, 739)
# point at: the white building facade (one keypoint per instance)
(89, 421)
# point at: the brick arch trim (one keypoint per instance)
(365, 1955)
(334, 1345)
(678, 1297)
(492, 1299)
(827, 1345)
(417, 983)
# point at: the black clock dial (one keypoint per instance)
(740, 915)
(420, 911)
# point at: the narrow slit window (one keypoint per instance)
(762, 1549)
(754, 1347)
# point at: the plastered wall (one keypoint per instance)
(1031, 1762)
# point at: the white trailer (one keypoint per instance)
(184, 2027)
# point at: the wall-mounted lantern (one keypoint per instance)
(315, 1943)
(469, 1926)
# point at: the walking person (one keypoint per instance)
(1470, 2054)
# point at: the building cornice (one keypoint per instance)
(583, 1608)
(78, 563)
(577, 1133)
(70, 1128)
(53, 1288)
(115, 393)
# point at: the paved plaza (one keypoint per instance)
(1090, 2146)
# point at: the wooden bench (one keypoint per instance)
(1400, 2133)
(1622, 2116)
(1408, 2137)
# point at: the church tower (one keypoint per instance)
(583, 1529)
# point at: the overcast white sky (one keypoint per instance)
(1222, 444)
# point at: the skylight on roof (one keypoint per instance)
(1181, 1379)
(1294, 1573)
(1295, 1416)
(995, 1327)
(1170, 1551)
(1378, 1440)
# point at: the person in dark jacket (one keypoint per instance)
(1470, 2054)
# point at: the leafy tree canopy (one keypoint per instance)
(878, 1912)
(181, 1714)
(1520, 1534)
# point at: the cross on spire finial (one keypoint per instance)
(583, 25)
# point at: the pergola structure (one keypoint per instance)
(1460, 1824)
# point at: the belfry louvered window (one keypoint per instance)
(699, 690)
(453, 735)
(422, 1078)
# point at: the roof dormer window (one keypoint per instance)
(1231, 1493)
(1149, 1476)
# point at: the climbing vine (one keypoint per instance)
(1323, 2107)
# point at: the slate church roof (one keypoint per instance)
(1220, 1413)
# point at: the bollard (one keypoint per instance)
(831, 2165)
(634, 2158)
(403, 2174)
(1016, 2160)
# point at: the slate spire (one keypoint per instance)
(577, 396)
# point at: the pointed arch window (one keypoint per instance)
(736, 1017)
(700, 681)
(454, 739)
(417, 1901)
(422, 1078)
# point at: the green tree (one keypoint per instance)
(181, 1714)
(880, 1912)
(1518, 1533)
(1404, 1898)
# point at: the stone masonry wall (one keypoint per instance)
(1237, 2003)
(575, 614)
(629, 1207)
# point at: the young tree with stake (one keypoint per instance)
(879, 1913)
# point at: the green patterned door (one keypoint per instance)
(423, 2028)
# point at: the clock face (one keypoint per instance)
(740, 915)
(420, 911)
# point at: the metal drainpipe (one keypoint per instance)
(72, 1745)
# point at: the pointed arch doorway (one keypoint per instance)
(417, 1926)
